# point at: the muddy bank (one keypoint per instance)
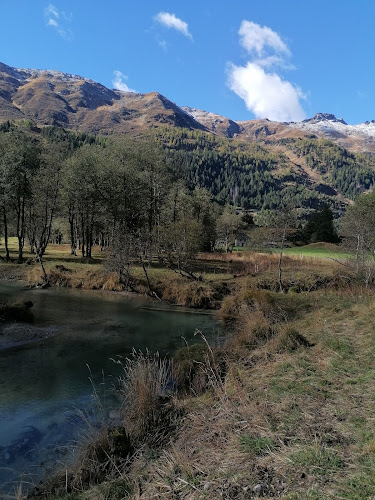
(15, 334)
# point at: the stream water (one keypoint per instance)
(45, 385)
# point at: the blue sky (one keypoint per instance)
(281, 59)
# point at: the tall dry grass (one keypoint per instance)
(258, 263)
(148, 390)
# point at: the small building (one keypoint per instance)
(241, 240)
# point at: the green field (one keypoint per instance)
(318, 250)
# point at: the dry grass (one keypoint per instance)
(296, 417)
(256, 263)
(147, 389)
(290, 416)
(101, 460)
(190, 293)
(286, 406)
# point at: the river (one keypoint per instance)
(44, 386)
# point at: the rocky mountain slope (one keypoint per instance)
(359, 137)
(74, 102)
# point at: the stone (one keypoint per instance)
(258, 488)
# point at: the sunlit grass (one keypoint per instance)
(321, 250)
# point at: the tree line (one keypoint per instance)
(237, 172)
(117, 193)
(146, 198)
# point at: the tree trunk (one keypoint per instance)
(44, 277)
(83, 239)
(21, 230)
(5, 222)
(20, 248)
(357, 252)
(279, 264)
(147, 278)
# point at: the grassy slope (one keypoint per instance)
(298, 421)
(319, 250)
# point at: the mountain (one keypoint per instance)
(360, 138)
(267, 163)
(73, 102)
(213, 122)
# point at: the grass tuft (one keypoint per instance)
(148, 392)
(256, 445)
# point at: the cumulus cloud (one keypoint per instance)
(173, 22)
(118, 82)
(265, 93)
(58, 20)
(255, 38)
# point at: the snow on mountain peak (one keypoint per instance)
(324, 117)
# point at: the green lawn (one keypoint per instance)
(315, 250)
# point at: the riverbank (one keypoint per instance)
(282, 409)
(219, 275)
(48, 386)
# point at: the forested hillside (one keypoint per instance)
(234, 172)
(240, 173)
(350, 173)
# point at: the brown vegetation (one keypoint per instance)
(283, 408)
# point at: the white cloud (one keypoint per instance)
(254, 38)
(118, 82)
(52, 11)
(273, 61)
(171, 21)
(59, 20)
(265, 93)
(52, 22)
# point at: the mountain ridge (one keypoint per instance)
(51, 97)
